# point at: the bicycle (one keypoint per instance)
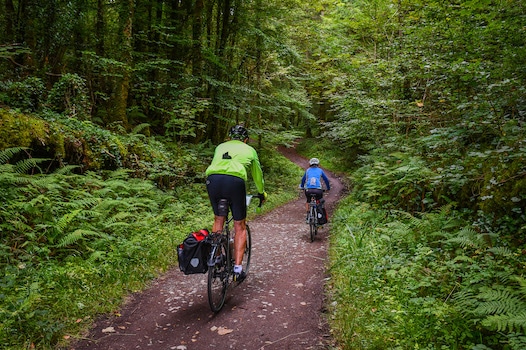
(221, 258)
(314, 215)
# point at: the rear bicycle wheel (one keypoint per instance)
(313, 224)
(218, 276)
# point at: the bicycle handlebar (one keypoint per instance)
(261, 198)
(304, 189)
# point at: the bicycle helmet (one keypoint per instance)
(314, 161)
(238, 132)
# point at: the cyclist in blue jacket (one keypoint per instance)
(311, 181)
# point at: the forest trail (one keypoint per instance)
(281, 305)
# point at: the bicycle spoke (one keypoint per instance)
(218, 276)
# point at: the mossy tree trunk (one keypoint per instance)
(122, 88)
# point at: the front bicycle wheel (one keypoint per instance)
(248, 252)
(218, 275)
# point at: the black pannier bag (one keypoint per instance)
(322, 213)
(193, 253)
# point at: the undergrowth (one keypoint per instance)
(423, 282)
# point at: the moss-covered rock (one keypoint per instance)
(22, 130)
(70, 141)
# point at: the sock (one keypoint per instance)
(238, 268)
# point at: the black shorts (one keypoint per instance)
(315, 191)
(231, 188)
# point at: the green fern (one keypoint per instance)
(517, 340)
(65, 220)
(522, 284)
(8, 153)
(119, 217)
(512, 323)
(467, 237)
(66, 170)
(465, 301)
(96, 256)
(499, 308)
(47, 183)
(24, 166)
(76, 236)
(85, 203)
(499, 301)
(501, 251)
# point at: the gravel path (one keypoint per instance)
(279, 306)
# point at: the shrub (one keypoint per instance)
(28, 94)
(69, 96)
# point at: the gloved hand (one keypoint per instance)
(263, 196)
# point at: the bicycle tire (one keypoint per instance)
(313, 224)
(248, 252)
(218, 278)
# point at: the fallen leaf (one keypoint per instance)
(108, 330)
(224, 331)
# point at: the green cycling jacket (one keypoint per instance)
(236, 158)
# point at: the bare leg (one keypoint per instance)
(240, 241)
(219, 221)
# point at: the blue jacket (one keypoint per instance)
(312, 178)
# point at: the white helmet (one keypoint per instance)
(314, 161)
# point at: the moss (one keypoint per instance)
(22, 130)
(67, 140)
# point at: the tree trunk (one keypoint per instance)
(99, 29)
(10, 21)
(196, 38)
(123, 83)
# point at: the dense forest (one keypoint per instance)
(109, 111)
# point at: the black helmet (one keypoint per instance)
(238, 132)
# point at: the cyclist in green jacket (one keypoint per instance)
(226, 179)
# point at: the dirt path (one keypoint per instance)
(279, 306)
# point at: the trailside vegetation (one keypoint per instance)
(428, 251)
(74, 245)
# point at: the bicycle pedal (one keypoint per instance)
(240, 277)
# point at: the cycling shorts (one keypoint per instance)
(316, 191)
(231, 188)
